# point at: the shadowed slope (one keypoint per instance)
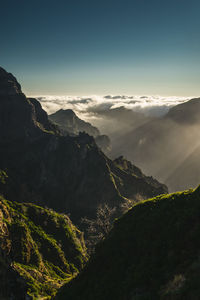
(68, 174)
(151, 253)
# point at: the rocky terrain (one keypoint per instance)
(67, 173)
(40, 250)
(42, 169)
(70, 124)
(68, 121)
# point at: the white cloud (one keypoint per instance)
(92, 105)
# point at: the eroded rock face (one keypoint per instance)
(70, 124)
(8, 84)
(67, 173)
(20, 117)
(68, 121)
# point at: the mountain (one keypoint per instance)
(69, 123)
(151, 253)
(19, 117)
(117, 121)
(185, 113)
(67, 173)
(166, 147)
(40, 250)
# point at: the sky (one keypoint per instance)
(132, 47)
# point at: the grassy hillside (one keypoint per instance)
(153, 252)
(41, 246)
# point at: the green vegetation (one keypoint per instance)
(3, 177)
(153, 252)
(44, 247)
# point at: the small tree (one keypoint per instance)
(97, 229)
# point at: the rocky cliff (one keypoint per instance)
(69, 174)
(19, 116)
(70, 124)
(68, 121)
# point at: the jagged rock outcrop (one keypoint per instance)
(68, 121)
(20, 117)
(151, 253)
(69, 174)
(70, 124)
(8, 84)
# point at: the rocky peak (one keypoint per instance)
(20, 117)
(8, 84)
(70, 123)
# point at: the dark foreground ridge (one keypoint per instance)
(151, 253)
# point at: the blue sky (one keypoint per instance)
(101, 47)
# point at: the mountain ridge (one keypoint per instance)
(69, 174)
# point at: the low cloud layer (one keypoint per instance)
(93, 105)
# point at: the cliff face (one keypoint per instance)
(69, 174)
(40, 250)
(20, 117)
(70, 124)
(68, 121)
(151, 253)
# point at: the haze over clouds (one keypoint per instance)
(91, 107)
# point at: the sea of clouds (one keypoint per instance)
(89, 107)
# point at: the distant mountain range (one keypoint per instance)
(166, 147)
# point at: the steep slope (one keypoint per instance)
(40, 250)
(151, 253)
(162, 146)
(68, 121)
(12, 285)
(117, 121)
(68, 174)
(185, 113)
(70, 124)
(19, 118)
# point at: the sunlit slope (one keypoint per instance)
(151, 253)
(40, 247)
(167, 147)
